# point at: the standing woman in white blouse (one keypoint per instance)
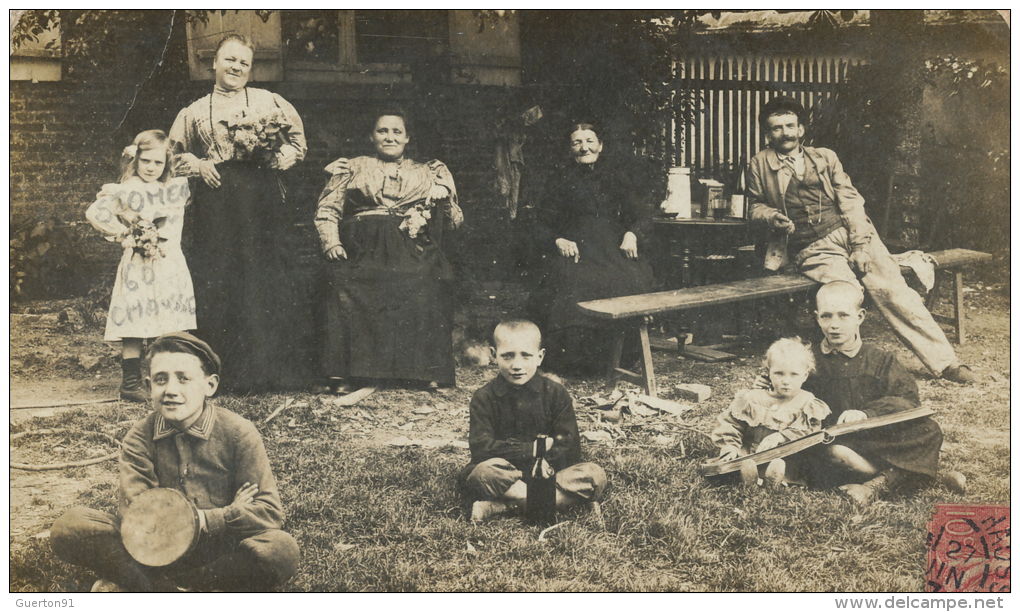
(235, 230)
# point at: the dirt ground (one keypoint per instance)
(57, 357)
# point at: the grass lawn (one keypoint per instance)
(375, 517)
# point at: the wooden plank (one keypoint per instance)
(629, 376)
(646, 360)
(664, 344)
(961, 335)
(695, 297)
(708, 355)
(933, 296)
(615, 353)
(723, 293)
(664, 405)
(710, 122)
(951, 258)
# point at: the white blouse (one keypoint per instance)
(200, 130)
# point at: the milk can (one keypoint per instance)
(678, 193)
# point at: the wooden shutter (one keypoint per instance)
(267, 36)
(485, 49)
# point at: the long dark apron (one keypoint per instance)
(237, 262)
(389, 307)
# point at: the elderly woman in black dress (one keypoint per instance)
(594, 221)
(232, 233)
(389, 309)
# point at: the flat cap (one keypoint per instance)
(200, 348)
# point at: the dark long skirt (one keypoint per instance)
(235, 250)
(389, 306)
(575, 342)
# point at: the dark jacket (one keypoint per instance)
(765, 198)
(505, 419)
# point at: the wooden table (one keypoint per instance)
(685, 240)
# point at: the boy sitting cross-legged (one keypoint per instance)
(507, 414)
(211, 455)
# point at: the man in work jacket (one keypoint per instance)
(815, 214)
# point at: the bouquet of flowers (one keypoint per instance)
(143, 236)
(257, 137)
(416, 218)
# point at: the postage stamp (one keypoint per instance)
(968, 549)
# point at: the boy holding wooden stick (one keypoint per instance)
(859, 381)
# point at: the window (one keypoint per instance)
(311, 36)
(350, 39)
(391, 37)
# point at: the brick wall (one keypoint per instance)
(66, 138)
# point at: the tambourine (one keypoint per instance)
(159, 527)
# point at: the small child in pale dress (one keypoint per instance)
(144, 213)
(760, 419)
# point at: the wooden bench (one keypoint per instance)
(631, 311)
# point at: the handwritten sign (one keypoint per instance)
(139, 309)
(968, 549)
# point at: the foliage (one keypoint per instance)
(45, 258)
(32, 24)
(97, 38)
(965, 74)
(967, 159)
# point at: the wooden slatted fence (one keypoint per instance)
(729, 93)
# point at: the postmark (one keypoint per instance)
(968, 549)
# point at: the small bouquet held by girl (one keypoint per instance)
(143, 234)
(144, 213)
(760, 419)
(258, 137)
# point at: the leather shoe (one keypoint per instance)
(959, 374)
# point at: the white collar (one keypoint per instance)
(850, 349)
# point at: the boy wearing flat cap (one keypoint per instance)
(211, 455)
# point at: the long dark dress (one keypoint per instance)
(593, 205)
(234, 243)
(239, 269)
(875, 382)
(389, 305)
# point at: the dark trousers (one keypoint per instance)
(91, 539)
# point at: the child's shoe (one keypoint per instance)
(131, 381)
(748, 473)
(954, 481)
(864, 494)
(105, 586)
(861, 494)
(775, 474)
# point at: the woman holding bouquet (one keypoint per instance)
(389, 312)
(236, 142)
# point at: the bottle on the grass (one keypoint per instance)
(541, 479)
